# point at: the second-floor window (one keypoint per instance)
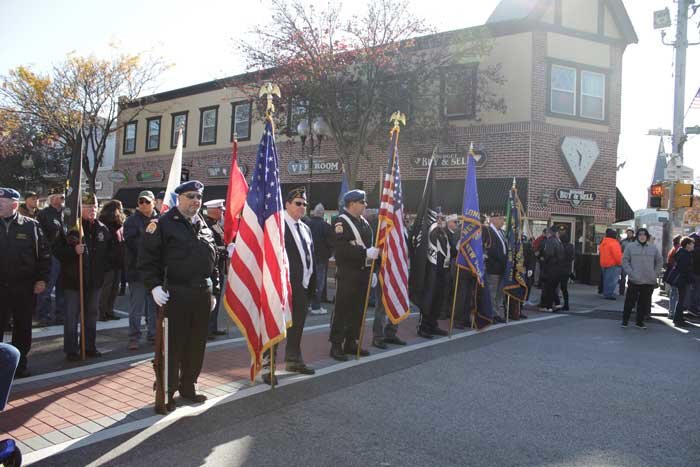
(576, 91)
(563, 97)
(130, 138)
(240, 120)
(459, 91)
(153, 134)
(592, 95)
(179, 121)
(208, 119)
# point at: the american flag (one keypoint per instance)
(393, 271)
(258, 292)
(695, 103)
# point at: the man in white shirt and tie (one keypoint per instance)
(495, 256)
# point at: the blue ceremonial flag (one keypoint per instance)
(471, 248)
(344, 188)
(514, 283)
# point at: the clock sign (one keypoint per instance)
(580, 155)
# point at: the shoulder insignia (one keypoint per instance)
(339, 227)
(152, 227)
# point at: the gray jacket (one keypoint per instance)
(642, 263)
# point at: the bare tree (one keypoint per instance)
(356, 71)
(82, 94)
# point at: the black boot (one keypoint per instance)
(337, 352)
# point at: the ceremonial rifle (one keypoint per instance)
(160, 360)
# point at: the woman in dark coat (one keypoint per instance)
(683, 272)
(112, 215)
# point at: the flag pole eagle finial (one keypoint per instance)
(396, 118)
(270, 90)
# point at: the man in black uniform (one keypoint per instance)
(25, 264)
(51, 220)
(353, 257)
(181, 246)
(214, 219)
(437, 276)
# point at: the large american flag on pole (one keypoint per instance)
(393, 271)
(258, 292)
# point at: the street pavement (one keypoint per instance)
(572, 389)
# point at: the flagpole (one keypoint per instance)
(82, 290)
(454, 301)
(396, 117)
(273, 350)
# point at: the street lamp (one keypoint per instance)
(28, 165)
(315, 132)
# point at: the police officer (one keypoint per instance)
(214, 219)
(25, 265)
(353, 256)
(179, 248)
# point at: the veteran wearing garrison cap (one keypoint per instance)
(25, 264)
(353, 257)
(177, 258)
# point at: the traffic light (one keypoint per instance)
(682, 195)
(656, 193)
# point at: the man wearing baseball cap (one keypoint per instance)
(29, 207)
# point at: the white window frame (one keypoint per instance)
(602, 98)
(150, 134)
(236, 120)
(204, 127)
(126, 138)
(552, 89)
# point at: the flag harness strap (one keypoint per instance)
(358, 238)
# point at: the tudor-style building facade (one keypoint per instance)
(562, 62)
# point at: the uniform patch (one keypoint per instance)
(21, 236)
(151, 227)
(339, 228)
(101, 237)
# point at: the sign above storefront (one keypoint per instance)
(117, 177)
(575, 197)
(301, 167)
(451, 159)
(222, 171)
(150, 176)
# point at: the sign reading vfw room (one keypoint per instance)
(301, 167)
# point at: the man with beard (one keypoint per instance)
(437, 279)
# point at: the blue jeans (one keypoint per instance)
(140, 303)
(43, 302)
(611, 276)
(9, 358)
(321, 269)
(71, 344)
(672, 299)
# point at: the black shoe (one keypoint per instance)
(337, 353)
(565, 308)
(114, 317)
(93, 353)
(681, 324)
(438, 332)
(379, 343)
(523, 316)
(73, 357)
(103, 318)
(394, 340)
(269, 379)
(610, 298)
(171, 404)
(624, 324)
(22, 373)
(219, 333)
(211, 337)
(194, 397)
(352, 350)
(424, 334)
(300, 368)
(498, 319)
(641, 326)
(122, 291)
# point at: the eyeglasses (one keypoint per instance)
(300, 203)
(193, 196)
(144, 201)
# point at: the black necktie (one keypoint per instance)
(304, 246)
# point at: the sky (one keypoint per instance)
(199, 39)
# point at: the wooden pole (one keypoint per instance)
(81, 289)
(454, 302)
(272, 366)
(507, 308)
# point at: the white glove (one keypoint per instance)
(213, 303)
(372, 253)
(374, 279)
(529, 273)
(229, 248)
(160, 296)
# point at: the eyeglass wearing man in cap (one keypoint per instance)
(214, 218)
(354, 254)
(140, 299)
(25, 264)
(299, 247)
(182, 246)
(98, 250)
(29, 207)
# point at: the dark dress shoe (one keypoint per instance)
(73, 357)
(194, 397)
(219, 333)
(22, 373)
(438, 332)
(379, 343)
(103, 318)
(300, 368)
(338, 354)
(424, 334)
(211, 337)
(93, 353)
(269, 379)
(522, 316)
(498, 319)
(171, 404)
(352, 350)
(394, 340)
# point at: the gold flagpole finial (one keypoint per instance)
(396, 118)
(270, 90)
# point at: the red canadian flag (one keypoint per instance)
(235, 197)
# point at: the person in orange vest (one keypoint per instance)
(610, 263)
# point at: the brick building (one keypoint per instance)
(562, 60)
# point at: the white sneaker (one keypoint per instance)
(320, 311)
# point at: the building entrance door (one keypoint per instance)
(565, 225)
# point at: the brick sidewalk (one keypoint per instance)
(51, 411)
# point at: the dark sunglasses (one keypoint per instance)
(193, 196)
(300, 203)
(144, 201)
